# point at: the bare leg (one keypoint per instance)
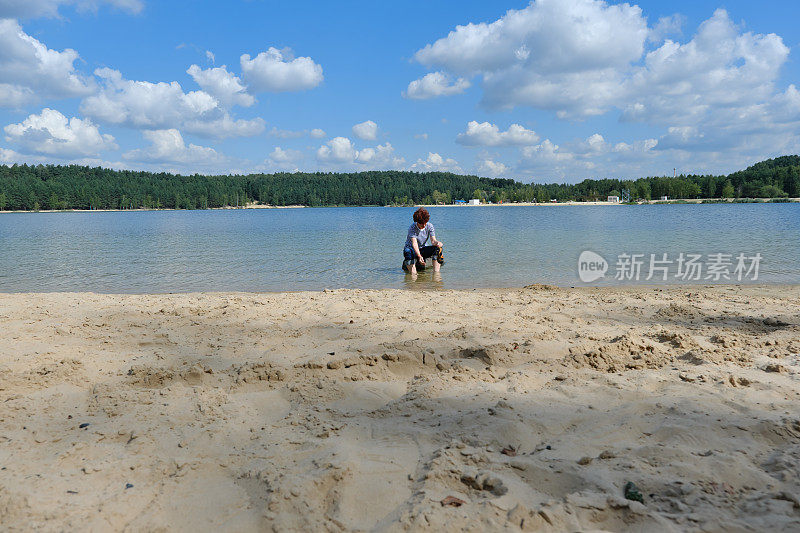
(436, 265)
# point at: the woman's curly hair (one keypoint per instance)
(421, 216)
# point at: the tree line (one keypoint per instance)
(38, 187)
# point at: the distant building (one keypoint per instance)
(460, 202)
(553, 201)
(474, 201)
(613, 199)
(664, 198)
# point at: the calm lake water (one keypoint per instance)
(302, 249)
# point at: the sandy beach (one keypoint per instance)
(526, 409)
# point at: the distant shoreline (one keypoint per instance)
(698, 201)
(229, 208)
(695, 201)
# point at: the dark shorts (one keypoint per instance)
(425, 251)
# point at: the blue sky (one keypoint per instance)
(552, 90)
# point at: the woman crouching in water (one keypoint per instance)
(415, 252)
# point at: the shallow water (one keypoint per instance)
(302, 249)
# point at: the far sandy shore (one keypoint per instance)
(358, 410)
(650, 202)
(228, 208)
(507, 204)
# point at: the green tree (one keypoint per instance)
(26, 187)
(644, 189)
(440, 198)
(53, 203)
(793, 182)
(727, 190)
(711, 187)
(771, 191)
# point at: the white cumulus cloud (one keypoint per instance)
(52, 133)
(281, 155)
(694, 81)
(435, 84)
(550, 35)
(9, 157)
(715, 94)
(340, 152)
(279, 71)
(29, 70)
(492, 168)
(593, 157)
(487, 134)
(225, 126)
(15, 96)
(168, 146)
(381, 154)
(584, 57)
(667, 26)
(436, 163)
(145, 104)
(162, 106)
(545, 151)
(337, 150)
(367, 131)
(225, 86)
(554, 54)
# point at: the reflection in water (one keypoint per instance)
(425, 280)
